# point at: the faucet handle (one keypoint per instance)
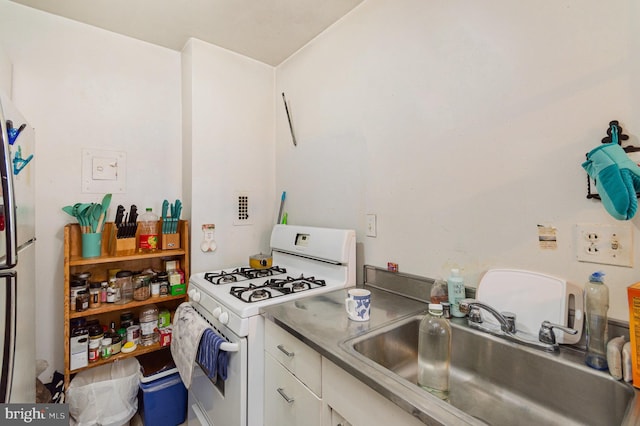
(546, 334)
(510, 317)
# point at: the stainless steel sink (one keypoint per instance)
(503, 383)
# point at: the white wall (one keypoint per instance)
(228, 131)
(462, 126)
(82, 87)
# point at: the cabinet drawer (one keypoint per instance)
(295, 356)
(286, 400)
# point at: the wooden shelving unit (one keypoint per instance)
(99, 267)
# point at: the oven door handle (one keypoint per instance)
(229, 347)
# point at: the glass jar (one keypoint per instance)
(94, 295)
(116, 344)
(125, 286)
(94, 350)
(149, 325)
(163, 283)
(75, 286)
(141, 287)
(126, 320)
(105, 348)
(82, 301)
(113, 292)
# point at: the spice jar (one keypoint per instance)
(94, 350)
(82, 301)
(163, 283)
(94, 295)
(141, 287)
(103, 291)
(113, 292)
(105, 348)
(125, 286)
(149, 325)
(76, 286)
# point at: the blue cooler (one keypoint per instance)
(163, 399)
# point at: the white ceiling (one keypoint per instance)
(266, 30)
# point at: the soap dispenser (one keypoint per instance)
(596, 303)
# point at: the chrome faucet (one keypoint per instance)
(546, 339)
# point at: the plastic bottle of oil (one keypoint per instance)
(434, 352)
(148, 230)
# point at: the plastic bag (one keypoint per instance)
(105, 395)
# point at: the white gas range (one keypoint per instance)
(306, 261)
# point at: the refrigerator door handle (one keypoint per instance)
(8, 330)
(9, 202)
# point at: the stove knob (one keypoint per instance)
(216, 312)
(224, 318)
(194, 295)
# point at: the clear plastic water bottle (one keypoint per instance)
(434, 352)
(148, 231)
(596, 302)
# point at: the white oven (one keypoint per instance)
(306, 261)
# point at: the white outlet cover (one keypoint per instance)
(605, 244)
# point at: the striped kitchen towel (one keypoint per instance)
(211, 358)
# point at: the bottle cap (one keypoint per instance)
(597, 276)
(435, 307)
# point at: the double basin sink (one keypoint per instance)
(503, 383)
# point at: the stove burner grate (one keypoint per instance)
(241, 274)
(275, 287)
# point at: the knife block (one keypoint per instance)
(125, 245)
(170, 241)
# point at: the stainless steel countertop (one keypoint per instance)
(322, 323)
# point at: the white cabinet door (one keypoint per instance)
(304, 362)
(358, 403)
(288, 402)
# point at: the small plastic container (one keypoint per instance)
(149, 325)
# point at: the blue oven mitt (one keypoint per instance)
(617, 179)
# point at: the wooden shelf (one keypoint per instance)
(140, 350)
(81, 261)
(100, 267)
(112, 307)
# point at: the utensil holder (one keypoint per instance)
(91, 244)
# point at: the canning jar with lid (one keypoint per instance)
(149, 325)
(75, 286)
(125, 286)
(141, 287)
(105, 348)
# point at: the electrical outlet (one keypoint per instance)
(371, 225)
(605, 244)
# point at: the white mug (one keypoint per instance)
(358, 304)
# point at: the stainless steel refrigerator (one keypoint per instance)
(17, 257)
